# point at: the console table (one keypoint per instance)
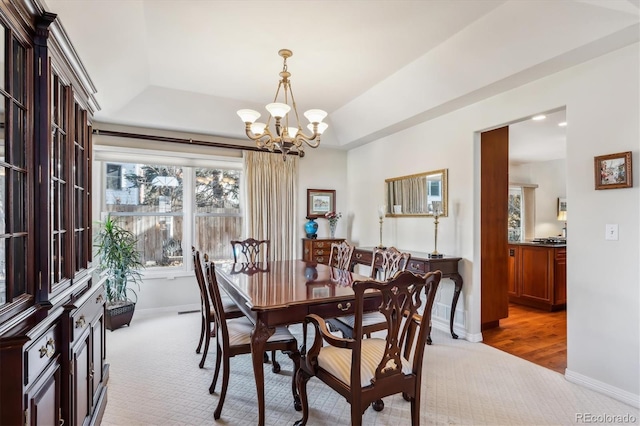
(420, 263)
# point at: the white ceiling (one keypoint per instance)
(188, 65)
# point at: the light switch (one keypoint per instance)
(611, 232)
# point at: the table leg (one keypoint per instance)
(259, 337)
(457, 279)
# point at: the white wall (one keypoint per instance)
(602, 102)
(551, 178)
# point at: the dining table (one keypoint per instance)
(282, 293)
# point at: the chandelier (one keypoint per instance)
(284, 137)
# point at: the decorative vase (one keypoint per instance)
(332, 228)
(311, 227)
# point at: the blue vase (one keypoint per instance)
(311, 228)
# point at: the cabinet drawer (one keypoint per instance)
(91, 307)
(334, 309)
(321, 259)
(45, 349)
(322, 244)
(362, 257)
(321, 252)
(416, 266)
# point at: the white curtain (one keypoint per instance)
(270, 207)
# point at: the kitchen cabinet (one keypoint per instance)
(537, 275)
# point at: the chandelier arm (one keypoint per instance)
(301, 137)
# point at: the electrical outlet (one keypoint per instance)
(611, 232)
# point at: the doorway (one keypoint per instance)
(528, 152)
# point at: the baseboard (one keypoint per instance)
(603, 388)
(151, 312)
(443, 325)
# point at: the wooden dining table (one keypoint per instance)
(284, 292)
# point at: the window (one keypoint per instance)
(114, 177)
(521, 215)
(173, 207)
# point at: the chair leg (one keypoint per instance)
(295, 357)
(207, 339)
(301, 379)
(415, 412)
(356, 415)
(265, 358)
(223, 392)
(275, 366)
(212, 388)
(203, 330)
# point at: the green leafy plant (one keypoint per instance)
(119, 261)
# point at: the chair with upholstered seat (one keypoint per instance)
(254, 254)
(385, 264)
(341, 255)
(365, 370)
(233, 337)
(207, 312)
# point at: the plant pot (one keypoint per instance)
(119, 315)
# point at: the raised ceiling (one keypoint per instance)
(376, 66)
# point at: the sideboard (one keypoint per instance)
(318, 249)
(420, 263)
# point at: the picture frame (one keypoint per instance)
(613, 171)
(320, 202)
(562, 209)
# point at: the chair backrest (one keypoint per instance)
(216, 298)
(341, 255)
(386, 262)
(252, 250)
(205, 303)
(407, 332)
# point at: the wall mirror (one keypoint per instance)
(414, 195)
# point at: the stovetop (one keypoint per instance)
(550, 240)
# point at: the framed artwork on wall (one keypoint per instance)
(320, 202)
(613, 171)
(562, 209)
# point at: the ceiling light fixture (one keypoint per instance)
(538, 117)
(284, 138)
(562, 124)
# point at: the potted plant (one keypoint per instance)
(120, 263)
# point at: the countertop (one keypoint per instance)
(531, 243)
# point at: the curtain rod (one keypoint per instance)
(184, 141)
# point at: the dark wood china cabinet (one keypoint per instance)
(52, 350)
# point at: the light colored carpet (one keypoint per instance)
(155, 380)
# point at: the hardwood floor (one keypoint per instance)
(535, 335)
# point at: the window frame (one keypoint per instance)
(104, 154)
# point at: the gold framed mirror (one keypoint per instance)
(413, 195)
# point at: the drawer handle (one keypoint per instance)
(44, 351)
(320, 252)
(358, 256)
(80, 322)
(344, 307)
(99, 299)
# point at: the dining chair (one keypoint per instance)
(341, 255)
(252, 253)
(385, 263)
(250, 250)
(233, 338)
(364, 371)
(207, 311)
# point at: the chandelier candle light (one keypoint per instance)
(285, 138)
(382, 209)
(437, 211)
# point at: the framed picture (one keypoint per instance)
(613, 171)
(562, 209)
(320, 201)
